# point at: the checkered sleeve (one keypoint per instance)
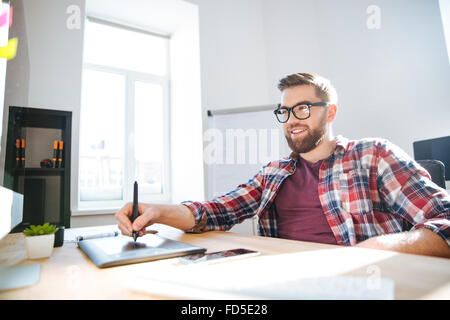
(223, 212)
(407, 189)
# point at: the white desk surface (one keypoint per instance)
(69, 274)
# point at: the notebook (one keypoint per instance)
(264, 277)
(121, 250)
(323, 288)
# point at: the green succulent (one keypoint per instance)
(40, 230)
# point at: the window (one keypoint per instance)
(124, 122)
(445, 15)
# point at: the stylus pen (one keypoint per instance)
(97, 236)
(135, 212)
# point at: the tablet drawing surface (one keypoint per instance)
(115, 251)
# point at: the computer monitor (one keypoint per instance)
(434, 149)
(11, 210)
(4, 37)
(11, 203)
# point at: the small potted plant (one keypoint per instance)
(39, 240)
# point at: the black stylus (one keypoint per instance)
(135, 212)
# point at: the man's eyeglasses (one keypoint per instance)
(301, 111)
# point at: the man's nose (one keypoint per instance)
(293, 120)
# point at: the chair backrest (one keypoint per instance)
(436, 169)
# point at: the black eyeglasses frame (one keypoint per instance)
(291, 109)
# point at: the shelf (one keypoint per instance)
(39, 171)
(46, 191)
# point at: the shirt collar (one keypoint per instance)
(341, 144)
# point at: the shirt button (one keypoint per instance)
(291, 170)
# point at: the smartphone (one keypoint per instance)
(219, 256)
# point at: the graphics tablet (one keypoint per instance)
(120, 250)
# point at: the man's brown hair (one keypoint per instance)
(324, 89)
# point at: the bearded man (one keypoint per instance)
(367, 193)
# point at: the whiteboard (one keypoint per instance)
(238, 145)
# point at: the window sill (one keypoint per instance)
(94, 211)
(111, 208)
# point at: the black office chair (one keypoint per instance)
(436, 169)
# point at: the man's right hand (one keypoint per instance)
(177, 216)
(148, 214)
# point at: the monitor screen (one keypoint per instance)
(11, 203)
(4, 35)
(11, 210)
(434, 149)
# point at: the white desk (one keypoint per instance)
(69, 274)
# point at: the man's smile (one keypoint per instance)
(297, 132)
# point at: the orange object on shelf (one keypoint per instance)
(55, 153)
(60, 153)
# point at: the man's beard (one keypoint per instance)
(310, 139)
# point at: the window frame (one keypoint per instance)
(103, 206)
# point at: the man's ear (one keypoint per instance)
(332, 110)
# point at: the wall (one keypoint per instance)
(46, 72)
(55, 54)
(233, 54)
(392, 82)
(17, 75)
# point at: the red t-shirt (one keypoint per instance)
(300, 214)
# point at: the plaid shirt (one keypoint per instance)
(367, 188)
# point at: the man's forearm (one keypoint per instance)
(177, 216)
(421, 241)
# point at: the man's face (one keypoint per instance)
(304, 135)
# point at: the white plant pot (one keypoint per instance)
(39, 246)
